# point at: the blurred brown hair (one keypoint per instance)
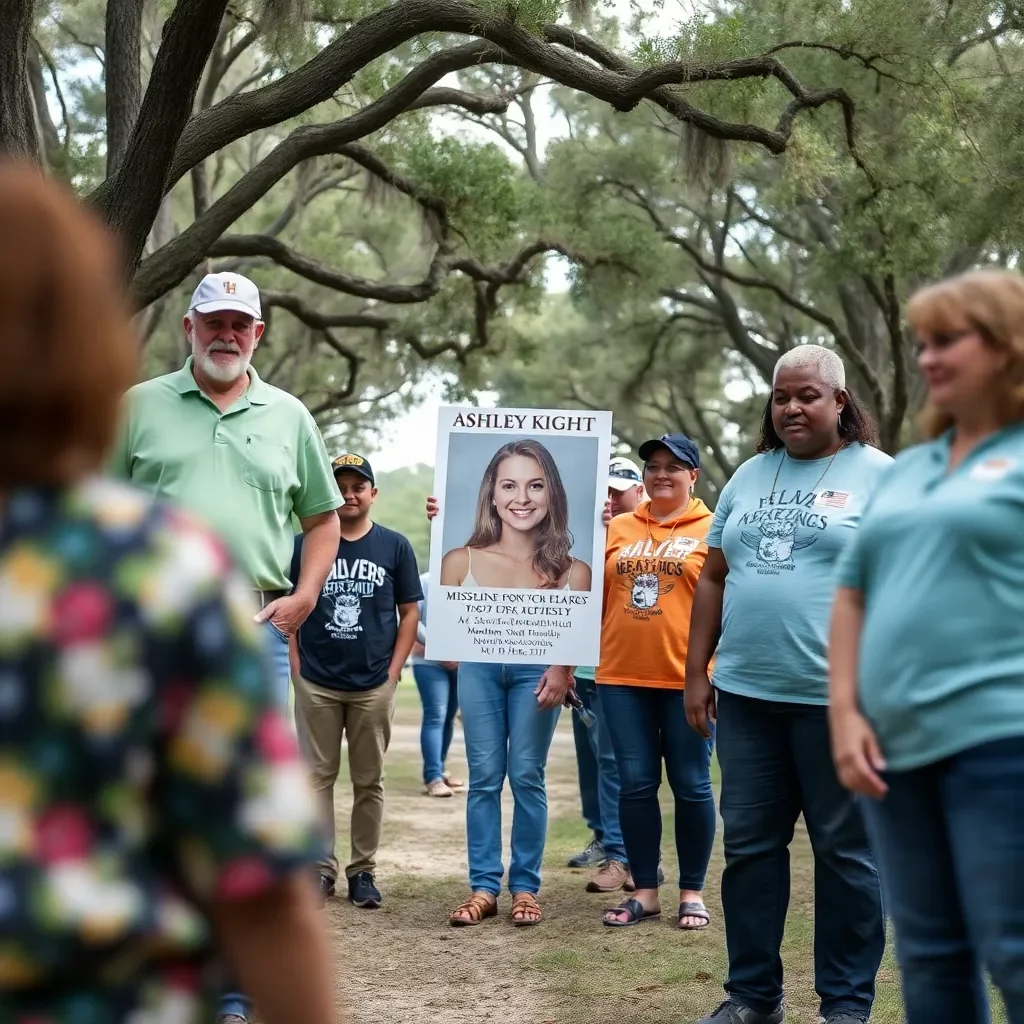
(67, 351)
(990, 302)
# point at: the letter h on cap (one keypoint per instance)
(230, 287)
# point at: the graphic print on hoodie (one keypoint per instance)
(651, 571)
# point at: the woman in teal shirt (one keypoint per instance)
(927, 661)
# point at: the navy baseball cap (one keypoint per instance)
(355, 463)
(678, 444)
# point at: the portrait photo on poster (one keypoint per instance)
(517, 547)
(519, 512)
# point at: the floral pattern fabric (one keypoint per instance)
(143, 769)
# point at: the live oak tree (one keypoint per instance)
(685, 286)
(232, 134)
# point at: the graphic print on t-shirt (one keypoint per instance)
(348, 584)
(782, 525)
(650, 565)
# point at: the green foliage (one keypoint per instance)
(401, 499)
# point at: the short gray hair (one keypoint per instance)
(823, 361)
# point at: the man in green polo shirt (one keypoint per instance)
(243, 456)
(240, 454)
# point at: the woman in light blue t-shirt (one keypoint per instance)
(762, 609)
(927, 661)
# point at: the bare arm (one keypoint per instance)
(293, 657)
(581, 576)
(705, 630)
(277, 945)
(320, 537)
(855, 748)
(454, 567)
(408, 620)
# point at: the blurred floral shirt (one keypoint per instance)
(143, 770)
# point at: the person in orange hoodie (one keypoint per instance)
(653, 559)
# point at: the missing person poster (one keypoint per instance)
(517, 548)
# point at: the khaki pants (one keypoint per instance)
(364, 718)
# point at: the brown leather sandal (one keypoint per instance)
(477, 908)
(525, 910)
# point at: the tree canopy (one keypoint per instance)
(398, 175)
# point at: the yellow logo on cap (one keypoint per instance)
(348, 460)
(229, 287)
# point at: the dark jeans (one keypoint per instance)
(586, 759)
(647, 725)
(776, 762)
(598, 774)
(950, 845)
(439, 694)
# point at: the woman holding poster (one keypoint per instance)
(521, 537)
(509, 712)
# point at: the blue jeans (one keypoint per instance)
(598, 773)
(277, 650)
(776, 763)
(439, 694)
(950, 844)
(506, 734)
(647, 725)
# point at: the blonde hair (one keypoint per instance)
(990, 302)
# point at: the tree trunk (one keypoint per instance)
(18, 135)
(136, 190)
(123, 75)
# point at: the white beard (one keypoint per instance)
(225, 373)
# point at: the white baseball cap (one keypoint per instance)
(227, 291)
(623, 474)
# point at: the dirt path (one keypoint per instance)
(403, 964)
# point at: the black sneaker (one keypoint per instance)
(591, 856)
(735, 1013)
(326, 889)
(362, 892)
(846, 1017)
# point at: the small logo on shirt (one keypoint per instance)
(347, 609)
(776, 542)
(992, 469)
(832, 499)
(647, 588)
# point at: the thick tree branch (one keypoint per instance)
(318, 321)
(133, 195)
(377, 34)
(122, 75)
(169, 266)
(443, 263)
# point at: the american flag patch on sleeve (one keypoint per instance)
(832, 499)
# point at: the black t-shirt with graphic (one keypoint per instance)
(348, 639)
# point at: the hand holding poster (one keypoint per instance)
(517, 548)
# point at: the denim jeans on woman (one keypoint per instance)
(647, 725)
(950, 844)
(439, 694)
(776, 762)
(507, 735)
